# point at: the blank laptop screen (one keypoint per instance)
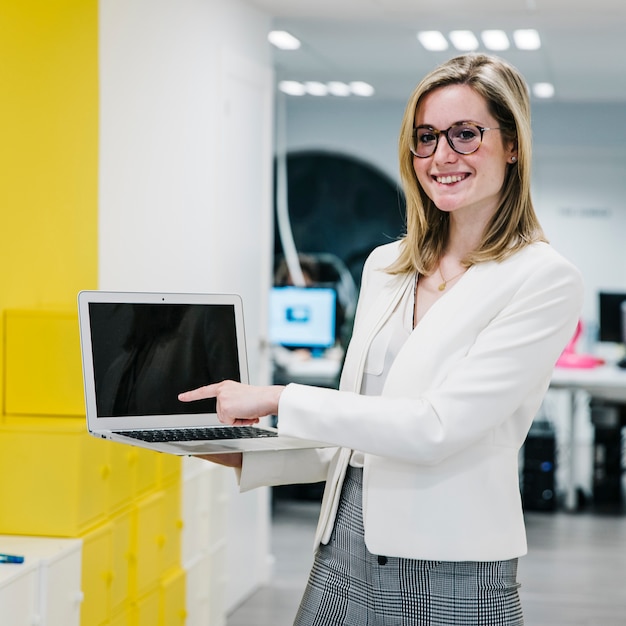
(145, 354)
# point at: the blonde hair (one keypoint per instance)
(514, 224)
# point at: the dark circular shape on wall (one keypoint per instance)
(341, 205)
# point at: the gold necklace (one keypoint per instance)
(445, 282)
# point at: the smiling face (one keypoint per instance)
(456, 183)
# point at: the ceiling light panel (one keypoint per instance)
(527, 39)
(331, 88)
(337, 88)
(315, 88)
(283, 40)
(543, 90)
(432, 40)
(464, 40)
(495, 40)
(292, 87)
(360, 88)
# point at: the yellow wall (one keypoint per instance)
(48, 156)
(48, 152)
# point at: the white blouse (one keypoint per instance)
(383, 351)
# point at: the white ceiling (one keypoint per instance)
(583, 52)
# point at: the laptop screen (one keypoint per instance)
(144, 354)
(302, 317)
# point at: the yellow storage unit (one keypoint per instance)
(145, 611)
(55, 477)
(148, 539)
(56, 480)
(97, 576)
(172, 601)
(106, 575)
(124, 502)
(148, 469)
(134, 572)
(121, 619)
(133, 472)
(169, 469)
(171, 541)
(42, 364)
(157, 528)
(64, 482)
(121, 551)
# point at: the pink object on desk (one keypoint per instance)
(570, 358)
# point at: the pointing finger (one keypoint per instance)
(201, 393)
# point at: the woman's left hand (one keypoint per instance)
(238, 404)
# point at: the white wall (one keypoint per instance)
(186, 140)
(580, 190)
(362, 128)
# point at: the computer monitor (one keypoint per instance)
(302, 317)
(611, 317)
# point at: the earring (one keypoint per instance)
(513, 159)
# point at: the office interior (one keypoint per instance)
(138, 154)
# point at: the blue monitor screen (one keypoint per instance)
(302, 317)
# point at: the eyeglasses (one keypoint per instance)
(463, 137)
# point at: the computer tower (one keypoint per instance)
(538, 476)
(608, 421)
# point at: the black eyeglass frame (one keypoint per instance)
(445, 132)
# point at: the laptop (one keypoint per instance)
(140, 350)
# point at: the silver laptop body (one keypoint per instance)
(140, 350)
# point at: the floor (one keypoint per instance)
(574, 574)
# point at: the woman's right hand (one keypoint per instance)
(238, 404)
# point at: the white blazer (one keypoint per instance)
(441, 443)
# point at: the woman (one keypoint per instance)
(457, 330)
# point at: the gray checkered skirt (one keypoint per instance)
(350, 586)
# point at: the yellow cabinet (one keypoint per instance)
(172, 605)
(105, 571)
(172, 527)
(157, 528)
(133, 472)
(43, 372)
(145, 611)
(147, 543)
(53, 481)
(97, 576)
(121, 551)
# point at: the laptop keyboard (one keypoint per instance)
(198, 434)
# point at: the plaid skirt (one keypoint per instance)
(349, 586)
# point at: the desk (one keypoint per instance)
(301, 366)
(317, 371)
(606, 382)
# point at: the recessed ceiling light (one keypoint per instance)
(283, 40)
(359, 88)
(292, 87)
(527, 39)
(495, 40)
(464, 40)
(337, 88)
(332, 88)
(315, 88)
(543, 90)
(432, 40)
